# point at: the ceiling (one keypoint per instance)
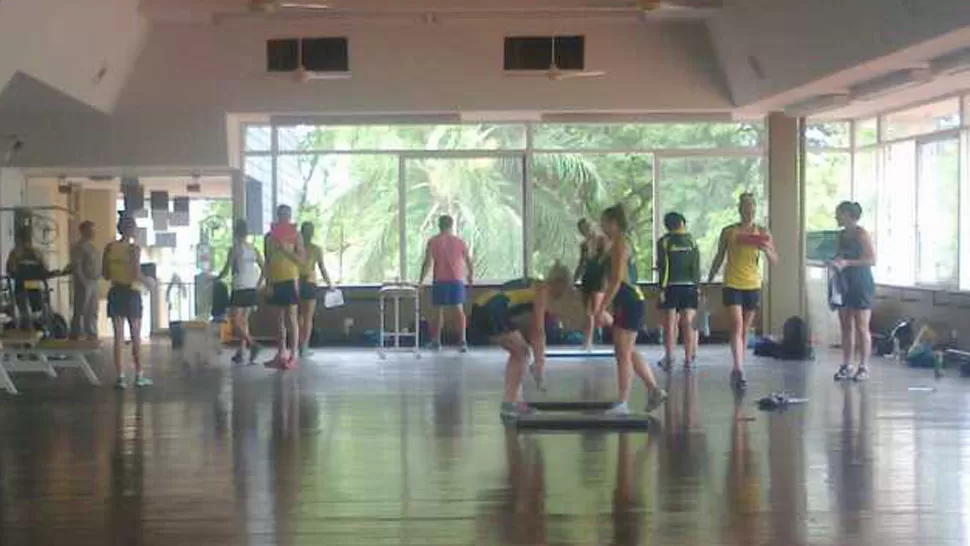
(208, 10)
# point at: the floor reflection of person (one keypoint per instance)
(742, 490)
(520, 509)
(627, 497)
(851, 466)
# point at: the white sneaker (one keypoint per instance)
(618, 409)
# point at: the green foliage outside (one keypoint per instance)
(353, 198)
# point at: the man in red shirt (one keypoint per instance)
(452, 267)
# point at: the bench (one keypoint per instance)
(25, 352)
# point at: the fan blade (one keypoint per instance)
(304, 5)
(559, 76)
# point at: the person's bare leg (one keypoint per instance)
(864, 344)
(745, 328)
(243, 327)
(518, 350)
(439, 325)
(640, 367)
(308, 310)
(281, 313)
(462, 324)
(736, 338)
(134, 325)
(292, 329)
(623, 348)
(606, 319)
(690, 335)
(118, 324)
(589, 302)
(848, 336)
(669, 322)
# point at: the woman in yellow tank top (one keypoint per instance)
(742, 244)
(308, 284)
(121, 266)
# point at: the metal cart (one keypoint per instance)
(398, 292)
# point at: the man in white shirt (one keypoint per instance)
(86, 274)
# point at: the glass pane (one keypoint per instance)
(353, 201)
(257, 138)
(896, 257)
(939, 207)
(298, 138)
(867, 191)
(705, 190)
(833, 134)
(571, 186)
(639, 136)
(932, 117)
(866, 132)
(484, 196)
(827, 183)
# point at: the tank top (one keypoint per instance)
(630, 274)
(245, 275)
(518, 296)
(743, 268)
(279, 267)
(308, 271)
(119, 255)
(850, 248)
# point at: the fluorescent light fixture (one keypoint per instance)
(817, 105)
(890, 83)
(951, 64)
(496, 116)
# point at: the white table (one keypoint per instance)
(398, 292)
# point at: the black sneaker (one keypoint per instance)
(844, 373)
(665, 364)
(738, 382)
(238, 357)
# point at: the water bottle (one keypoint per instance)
(706, 324)
(938, 364)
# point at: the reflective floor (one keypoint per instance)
(351, 450)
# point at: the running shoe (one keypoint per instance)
(690, 364)
(291, 363)
(277, 361)
(844, 373)
(665, 364)
(514, 410)
(738, 382)
(655, 398)
(861, 374)
(238, 357)
(463, 348)
(253, 353)
(120, 383)
(618, 409)
(142, 381)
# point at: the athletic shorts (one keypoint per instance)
(124, 302)
(749, 300)
(308, 290)
(244, 298)
(34, 299)
(447, 293)
(492, 319)
(679, 297)
(628, 309)
(285, 294)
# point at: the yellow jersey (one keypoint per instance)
(517, 296)
(279, 267)
(120, 255)
(742, 271)
(308, 271)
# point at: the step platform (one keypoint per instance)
(584, 415)
(580, 354)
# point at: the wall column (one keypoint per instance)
(785, 294)
(238, 190)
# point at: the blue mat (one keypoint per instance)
(604, 353)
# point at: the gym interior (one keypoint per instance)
(372, 119)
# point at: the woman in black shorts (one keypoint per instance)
(591, 272)
(854, 259)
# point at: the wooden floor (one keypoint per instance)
(351, 450)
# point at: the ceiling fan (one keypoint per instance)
(555, 73)
(649, 7)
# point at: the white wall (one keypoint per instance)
(65, 43)
(798, 42)
(12, 194)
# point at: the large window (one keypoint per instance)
(706, 190)
(909, 171)
(938, 208)
(375, 192)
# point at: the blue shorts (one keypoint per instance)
(447, 293)
(124, 302)
(285, 294)
(747, 300)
